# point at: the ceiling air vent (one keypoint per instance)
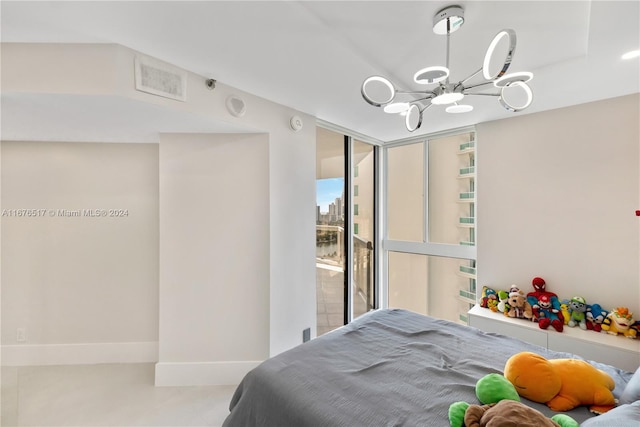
(159, 78)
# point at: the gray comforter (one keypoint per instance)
(386, 368)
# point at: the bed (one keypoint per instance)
(386, 368)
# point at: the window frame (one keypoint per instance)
(425, 247)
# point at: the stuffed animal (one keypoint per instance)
(595, 317)
(503, 305)
(545, 309)
(519, 306)
(492, 388)
(562, 384)
(553, 316)
(511, 413)
(636, 327)
(488, 294)
(578, 312)
(619, 321)
(502, 407)
(566, 312)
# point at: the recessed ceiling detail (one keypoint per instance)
(313, 56)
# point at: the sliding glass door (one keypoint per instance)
(363, 231)
(345, 229)
(330, 230)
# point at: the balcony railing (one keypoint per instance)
(467, 196)
(467, 146)
(470, 170)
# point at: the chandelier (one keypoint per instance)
(381, 92)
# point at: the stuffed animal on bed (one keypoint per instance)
(501, 407)
(562, 384)
(511, 413)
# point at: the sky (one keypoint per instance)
(327, 191)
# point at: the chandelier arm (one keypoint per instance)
(470, 77)
(416, 92)
(478, 85)
(421, 99)
(448, 36)
(483, 94)
(425, 107)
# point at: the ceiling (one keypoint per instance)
(314, 55)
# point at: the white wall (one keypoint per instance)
(77, 73)
(557, 192)
(214, 256)
(77, 284)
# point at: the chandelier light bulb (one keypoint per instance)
(459, 108)
(511, 36)
(413, 119)
(396, 108)
(510, 106)
(378, 91)
(431, 75)
(447, 98)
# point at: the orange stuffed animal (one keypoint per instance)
(562, 384)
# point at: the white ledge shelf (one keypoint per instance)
(614, 350)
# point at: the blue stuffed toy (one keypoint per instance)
(595, 316)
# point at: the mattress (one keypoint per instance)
(386, 368)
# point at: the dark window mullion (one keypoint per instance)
(348, 266)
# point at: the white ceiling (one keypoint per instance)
(314, 55)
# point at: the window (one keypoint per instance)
(430, 234)
(405, 192)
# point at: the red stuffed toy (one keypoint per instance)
(546, 306)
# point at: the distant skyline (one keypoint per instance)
(327, 191)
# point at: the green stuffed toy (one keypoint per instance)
(501, 406)
(493, 388)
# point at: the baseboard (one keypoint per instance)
(202, 373)
(79, 354)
